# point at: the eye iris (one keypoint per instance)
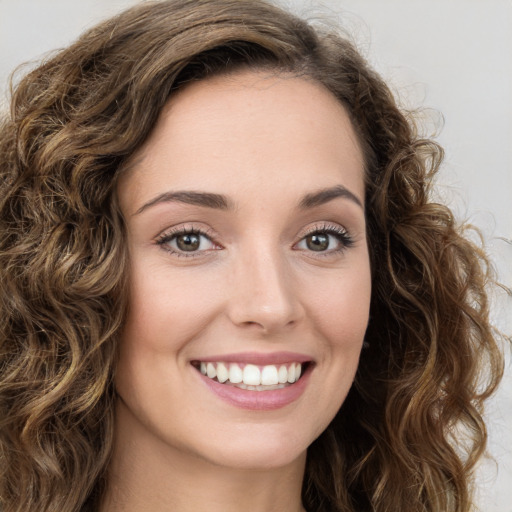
(188, 242)
(318, 242)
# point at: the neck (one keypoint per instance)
(148, 475)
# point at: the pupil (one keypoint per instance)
(318, 242)
(189, 242)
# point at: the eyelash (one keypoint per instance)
(341, 234)
(168, 236)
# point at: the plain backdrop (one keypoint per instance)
(453, 58)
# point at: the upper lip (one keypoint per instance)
(257, 358)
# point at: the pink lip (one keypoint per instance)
(257, 358)
(258, 400)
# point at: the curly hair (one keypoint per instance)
(410, 431)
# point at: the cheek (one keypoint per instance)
(339, 307)
(339, 313)
(166, 307)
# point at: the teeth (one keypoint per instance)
(269, 376)
(252, 377)
(261, 388)
(298, 370)
(235, 374)
(211, 371)
(291, 374)
(282, 374)
(222, 372)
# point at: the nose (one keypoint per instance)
(263, 294)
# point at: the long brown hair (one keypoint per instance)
(409, 433)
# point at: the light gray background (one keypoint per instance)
(454, 57)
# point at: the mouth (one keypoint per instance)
(256, 381)
(253, 377)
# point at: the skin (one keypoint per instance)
(254, 285)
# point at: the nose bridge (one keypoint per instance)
(263, 293)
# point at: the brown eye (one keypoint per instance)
(328, 240)
(317, 242)
(188, 242)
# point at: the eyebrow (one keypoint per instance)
(221, 202)
(328, 194)
(206, 199)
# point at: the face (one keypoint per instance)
(249, 265)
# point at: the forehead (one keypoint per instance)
(248, 128)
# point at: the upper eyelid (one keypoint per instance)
(183, 229)
(209, 232)
(322, 226)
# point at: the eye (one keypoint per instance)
(186, 242)
(327, 239)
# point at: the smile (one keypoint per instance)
(252, 377)
(256, 381)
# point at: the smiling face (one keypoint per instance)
(249, 265)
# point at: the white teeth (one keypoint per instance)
(211, 371)
(261, 388)
(235, 374)
(222, 372)
(282, 375)
(269, 376)
(291, 374)
(252, 377)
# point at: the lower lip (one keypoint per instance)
(259, 400)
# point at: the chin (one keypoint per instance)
(257, 459)
(256, 448)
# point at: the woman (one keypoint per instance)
(224, 283)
